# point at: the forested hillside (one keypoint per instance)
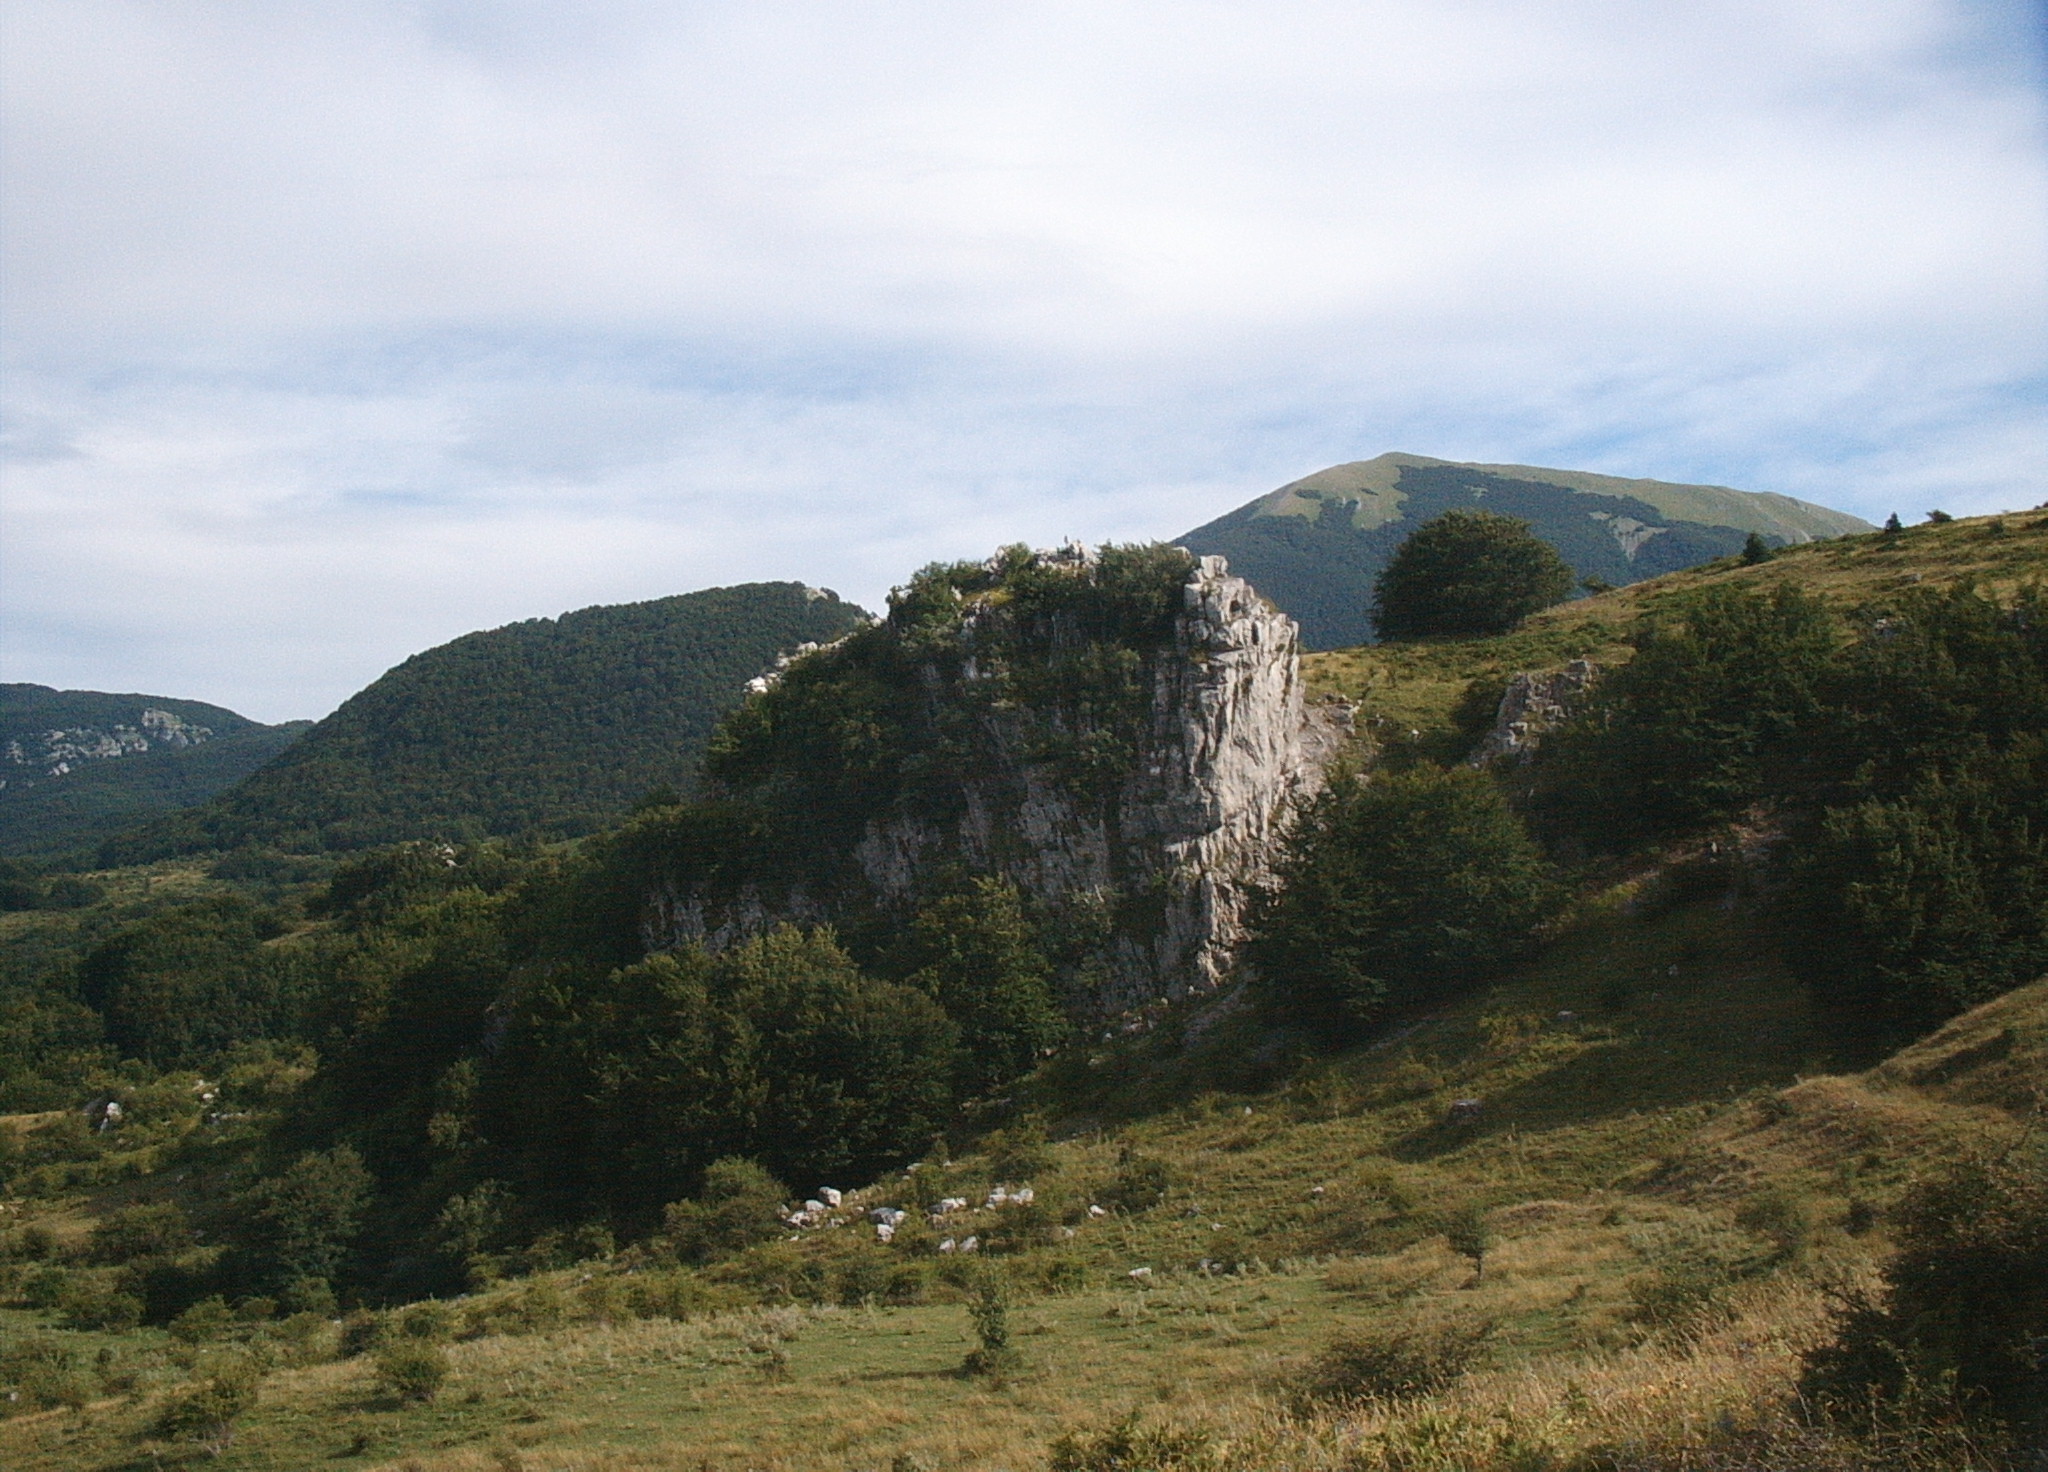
(79, 766)
(1552, 1126)
(555, 726)
(1317, 545)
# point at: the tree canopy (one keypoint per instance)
(1468, 573)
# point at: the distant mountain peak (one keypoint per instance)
(1316, 545)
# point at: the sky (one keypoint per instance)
(331, 332)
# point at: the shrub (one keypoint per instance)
(42, 1372)
(740, 1204)
(1141, 1183)
(139, 1231)
(1129, 1445)
(1467, 573)
(1395, 891)
(206, 1412)
(410, 1369)
(1779, 1217)
(89, 1302)
(1470, 1235)
(1393, 1361)
(989, 1308)
(210, 1318)
(1964, 1303)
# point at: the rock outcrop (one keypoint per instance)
(1535, 702)
(1163, 863)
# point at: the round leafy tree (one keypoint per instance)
(1465, 573)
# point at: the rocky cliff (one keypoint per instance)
(1123, 736)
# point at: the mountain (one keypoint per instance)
(78, 766)
(1316, 545)
(555, 725)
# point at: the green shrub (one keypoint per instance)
(210, 1318)
(1129, 1445)
(207, 1412)
(739, 1205)
(90, 1302)
(42, 1372)
(1141, 1183)
(1779, 1217)
(139, 1231)
(410, 1369)
(1470, 1235)
(988, 1306)
(1392, 1361)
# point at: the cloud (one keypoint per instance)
(338, 331)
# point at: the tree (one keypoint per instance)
(1470, 1234)
(1395, 891)
(1755, 550)
(1468, 573)
(977, 955)
(299, 1223)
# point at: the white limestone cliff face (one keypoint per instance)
(1169, 862)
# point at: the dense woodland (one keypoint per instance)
(552, 727)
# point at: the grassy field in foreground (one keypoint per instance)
(1645, 1080)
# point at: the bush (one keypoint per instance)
(1779, 1217)
(42, 1372)
(1129, 1445)
(1468, 573)
(740, 1204)
(89, 1302)
(989, 1308)
(207, 1412)
(1141, 1183)
(1396, 891)
(1396, 1361)
(140, 1231)
(1964, 1307)
(410, 1369)
(210, 1318)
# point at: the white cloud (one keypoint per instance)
(337, 331)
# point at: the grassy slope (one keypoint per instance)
(1414, 686)
(1607, 1145)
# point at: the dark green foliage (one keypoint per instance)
(1141, 1183)
(1964, 1309)
(1754, 550)
(1397, 891)
(100, 795)
(186, 983)
(1467, 573)
(299, 1223)
(1715, 711)
(552, 724)
(739, 1205)
(988, 1306)
(975, 952)
(622, 1091)
(140, 1231)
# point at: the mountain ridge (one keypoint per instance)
(1320, 568)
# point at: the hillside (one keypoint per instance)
(1418, 687)
(1641, 1090)
(1665, 1100)
(78, 766)
(553, 725)
(1317, 545)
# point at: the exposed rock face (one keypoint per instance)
(55, 752)
(1164, 864)
(1534, 703)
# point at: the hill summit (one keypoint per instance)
(1316, 545)
(555, 725)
